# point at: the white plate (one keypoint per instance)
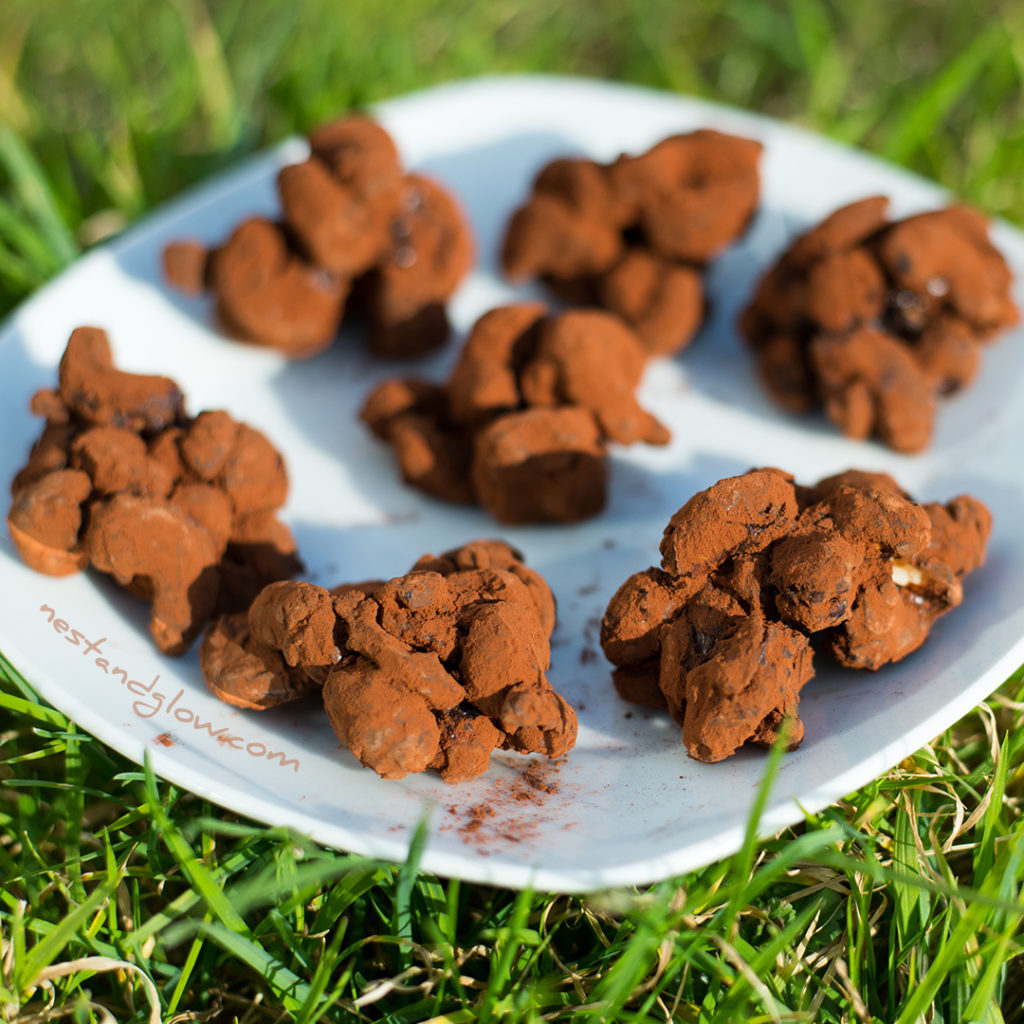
(628, 806)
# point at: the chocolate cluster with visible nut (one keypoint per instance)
(181, 510)
(522, 425)
(755, 566)
(354, 228)
(634, 236)
(874, 320)
(433, 669)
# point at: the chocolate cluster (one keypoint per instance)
(635, 235)
(755, 566)
(522, 425)
(433, 669)
(181, 510)
(355, 229)
(873, 320)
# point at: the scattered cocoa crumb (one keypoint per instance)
(509, 811)
(474, 817)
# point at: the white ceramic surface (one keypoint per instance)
(629, 807)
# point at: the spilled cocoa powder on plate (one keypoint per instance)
(515, 809)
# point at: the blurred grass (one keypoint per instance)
(109, 107)
(902, 903)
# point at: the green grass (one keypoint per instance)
(901, 903)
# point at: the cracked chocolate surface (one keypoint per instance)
(434, 669)
(756, 566)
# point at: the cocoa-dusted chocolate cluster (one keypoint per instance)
(523, 424)
(634, 236)
(181, 510)
(433, 669)
(354, 228)
(755, 566)
(873, 319)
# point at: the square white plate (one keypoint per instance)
(627, 806)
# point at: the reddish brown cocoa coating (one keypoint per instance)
(753, 567)
(420, 608)
(633, 236)
(541, 466)
(436, 668)
(180, 511)
(467, 741)
(387, 726)
(738, 515)
(296, 619)
(639, 683)
(270, 295)
(339, 229)
(242, 671)
(723, 676)
(359, 153)
(185, 265)
(117, 460)
(433, 454)
(590, 360)
(501, 559)
(874, 320)
(99, 394)
(662, 301)
(45, 521)
(631, 627)
(261, 550)
(351, 218)
(871, 385)
(548, 237)
(429, 251)
(208, 506)
(486, 380)
(694, 193)
(522, 424)
(504, 647)
(166, 557)
(960, 531)
(49, 452)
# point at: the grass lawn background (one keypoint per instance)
(902, 903)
